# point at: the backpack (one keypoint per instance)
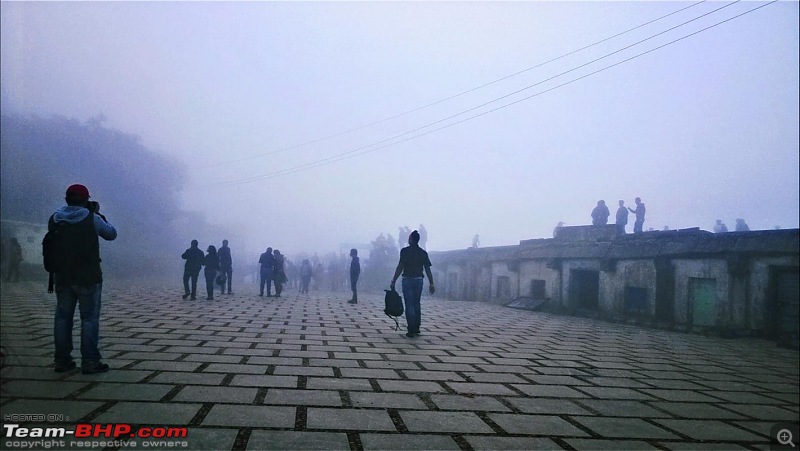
(394, 306)
(63, 250)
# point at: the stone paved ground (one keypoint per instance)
(244, 372)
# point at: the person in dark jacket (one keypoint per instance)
(191, 269)
(278, 272)
(226, 265)
(267, 261)
(305, 275)
(413, 260)
(355, 271)
(14, 260)
(622, 218)
(80, 279)
(639, 212)
(600, 213)
(211, 263)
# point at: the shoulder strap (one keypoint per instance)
(396, 324)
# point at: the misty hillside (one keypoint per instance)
(137, 189)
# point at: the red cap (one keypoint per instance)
(78, 191)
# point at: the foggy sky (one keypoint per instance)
(701, 129)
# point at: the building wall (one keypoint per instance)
(631, 273)
(538, 269)
(760, 289)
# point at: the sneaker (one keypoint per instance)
(193, 298)
(185, 296)
(94, 367)
(64, 366)
(210, 298)
(352, 301)
(410, 334)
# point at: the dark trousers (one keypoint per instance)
(353, 285)
(304, 281)
(412, 293)
(229, 275)
(621, 229)
(210, 276)
(87, 298)
(637, 226)
(186, 277)
(266, 278)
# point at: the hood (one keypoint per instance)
(70, 214)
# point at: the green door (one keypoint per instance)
(703, 301)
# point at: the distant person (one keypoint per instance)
(402, 236)
(639, 212)
(622, 218)
(423, 236)
(14, 260)
(267, 262)
(476, 241)
(720, 227)
(600, 213)
(557, 228)
(211, 263)
(278, 271)
(79, 279)
(305, 275)
(226, 265)
(413, 260)
(741, 226)
(191, 269)
(355, 271)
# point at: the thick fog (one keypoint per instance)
(312, 127)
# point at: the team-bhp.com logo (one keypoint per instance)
(84, 430)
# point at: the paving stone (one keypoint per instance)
(264, 381)
(595, 444)
(250, 416)
(547, 425)
(478, 403)
(329, 383)
(303, 371)
(303, 397)
(630, 428)
(410, 386)
(481, 443)
(749, 398)
(549, 391)
(615, 393)
(29, 373)
(386, 400)
(498, 378)
(771, 413)
(372, 373)
(129, 392)
(708, 430)
(149, 413)
(433, 375)
(447, 422)
(349, 419)
(40, 389)
(619, 408)
(549, 406)
(167, 366)
(176, 377)
(695, 410)
(407, 442)
(236, 395)
(297, 440)
(206, 439)
(681, 446)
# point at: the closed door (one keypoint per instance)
(703, 301)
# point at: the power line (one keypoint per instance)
(437, 102)
(366, 149)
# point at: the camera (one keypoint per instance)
(93, 206)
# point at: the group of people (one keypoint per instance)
(741, 226)
(600, 215)
(273, 270)
(404, 232)
(217, 265)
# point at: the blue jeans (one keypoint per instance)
(88, 300)
(412, 292)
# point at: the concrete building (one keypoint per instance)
(737, 283)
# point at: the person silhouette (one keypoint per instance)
(600, 213)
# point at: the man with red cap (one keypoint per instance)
(78, 278)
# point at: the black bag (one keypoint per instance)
(394, 306)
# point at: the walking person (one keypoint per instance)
(413, 260)
(226, 265)
(355, 271)
(211, 263)
(305, 275)
(78, 278)
(622, 218)
(267, 261)
(639, 212)
(191, 269)
(14, 260)
(278, 272)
